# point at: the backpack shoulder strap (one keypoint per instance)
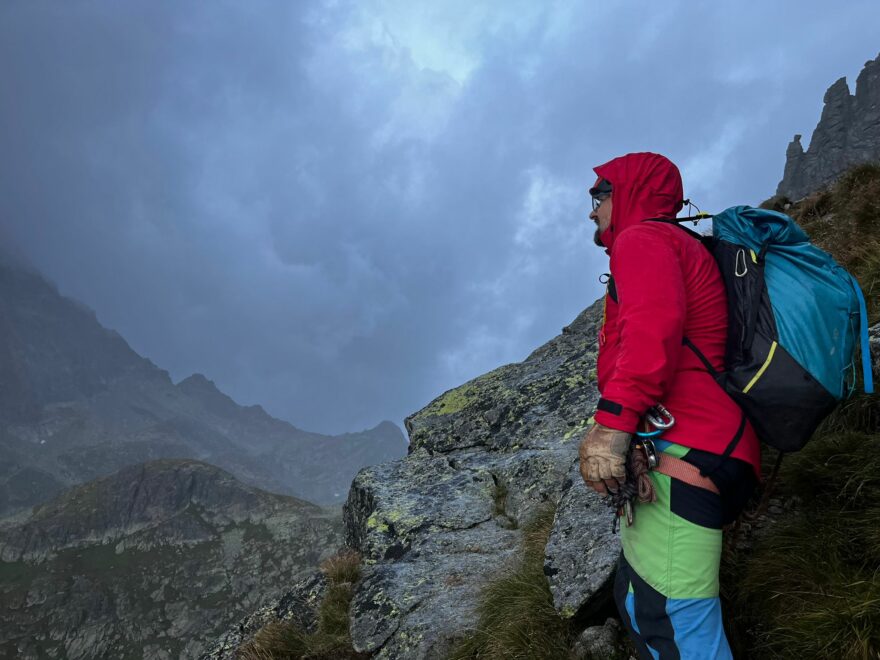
(705, 240)
(712, 370)
(868, 382)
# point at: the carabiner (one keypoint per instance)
(660, 417)
(650, 453)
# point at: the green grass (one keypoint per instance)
(516, 617)
(811, 592)
(811, 586)
(284, 640)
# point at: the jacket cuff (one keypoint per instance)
(616, 416)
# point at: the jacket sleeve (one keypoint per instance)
(651, 314)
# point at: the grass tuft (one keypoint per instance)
(516, 617)
(275, 640)
(343, 567)
(284, 640)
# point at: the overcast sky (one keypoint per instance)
(339, 210)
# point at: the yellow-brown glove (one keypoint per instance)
(603, 458)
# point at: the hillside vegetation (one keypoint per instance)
(810, 588)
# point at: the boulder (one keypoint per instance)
(582, 551)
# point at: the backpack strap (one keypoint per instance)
(742, 422)
(756, 308)
(676, 221)
(687, 342)
(863, 334)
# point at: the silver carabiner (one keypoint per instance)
(660, 417)
(740, 259)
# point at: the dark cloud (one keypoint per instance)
(340, 210)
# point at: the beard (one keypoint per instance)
(596, 238)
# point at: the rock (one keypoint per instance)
(582, 552)
(601, 642)
(413, 608)
(848, 134)
(433, 532)
(435, 527)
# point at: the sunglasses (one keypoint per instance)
(599, 198)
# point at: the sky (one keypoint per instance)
(340, 210)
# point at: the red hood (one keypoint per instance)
(644, 185)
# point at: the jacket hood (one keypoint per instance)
(644, 185)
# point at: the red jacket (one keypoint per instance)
(665, 286)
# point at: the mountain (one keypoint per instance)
(152, 562)
(848, 134)
(76, 403)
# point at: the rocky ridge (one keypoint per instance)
(848, 133)
(154, 561)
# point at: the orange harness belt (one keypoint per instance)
(684, 471)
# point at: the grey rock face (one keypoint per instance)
(435, 527)
(848, 134)
(582, 552)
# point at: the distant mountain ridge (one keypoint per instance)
(139, 497)
(77, 403)
(153, 561)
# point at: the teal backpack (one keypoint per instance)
(795, 318)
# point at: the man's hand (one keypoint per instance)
(603, 458)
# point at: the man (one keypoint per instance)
(665, 290)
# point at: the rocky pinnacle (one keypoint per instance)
(848, 134)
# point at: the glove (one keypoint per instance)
(603, 458)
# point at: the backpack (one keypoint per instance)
(795, 317)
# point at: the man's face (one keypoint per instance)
(601, 215)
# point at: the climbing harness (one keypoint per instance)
(644, 457)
